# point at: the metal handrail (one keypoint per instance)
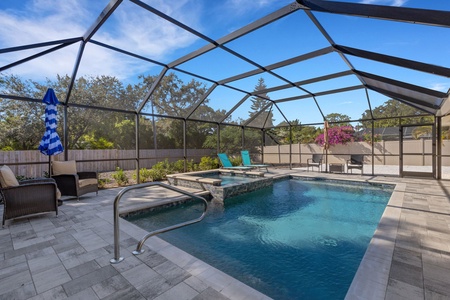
(117, 258)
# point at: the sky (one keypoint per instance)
(136, 30)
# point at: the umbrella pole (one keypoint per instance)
(49, 166)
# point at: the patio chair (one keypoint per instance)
(356, 161)
(226, 163)
(27, 197)
(73, 183)
(246, 161)
(315, 161)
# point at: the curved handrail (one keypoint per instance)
(139, 250)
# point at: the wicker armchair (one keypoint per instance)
(76, 183)
(29, 197)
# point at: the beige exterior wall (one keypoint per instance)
(418, 152)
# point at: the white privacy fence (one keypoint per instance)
(385, 152)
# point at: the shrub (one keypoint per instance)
(160, 170)
(191, 166)
(21, 178)
(157, 174)
(120, 177)
(178, 166)
(144, 175)
(337, 135)
(368, 138)
(236, 161)
(102, 182)
(208, 163)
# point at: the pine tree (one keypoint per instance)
(258, 103)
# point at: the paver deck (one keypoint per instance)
(67, 257)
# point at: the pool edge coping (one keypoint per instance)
(370, 280)
(372, 276)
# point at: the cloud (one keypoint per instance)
(385, 2)
(440, 86)
(130, 27)
(240, 7)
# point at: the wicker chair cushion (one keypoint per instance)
(7, 177)
(85, 182)
(64, 167)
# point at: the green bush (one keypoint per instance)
(236, 161)
(21, 178)
(157, 174)
(102, 182)
(178, 166)
(120, 177)
(208, 163)
(144, 175)
(191, 166)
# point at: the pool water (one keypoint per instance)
(295, 240)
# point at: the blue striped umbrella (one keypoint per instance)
(50, 143)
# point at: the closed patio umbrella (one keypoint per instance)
(50, 143)
(325, 135)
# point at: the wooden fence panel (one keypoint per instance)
(95, 160)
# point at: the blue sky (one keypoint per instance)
(134, 29)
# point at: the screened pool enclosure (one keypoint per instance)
(142, 81)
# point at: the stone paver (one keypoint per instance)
(67, 257)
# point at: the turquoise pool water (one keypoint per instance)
(295, 240)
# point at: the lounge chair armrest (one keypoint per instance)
(67, 183)
(30, 190)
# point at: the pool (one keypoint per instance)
(294, 240)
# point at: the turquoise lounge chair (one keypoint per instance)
(248, 163)
(226, 163)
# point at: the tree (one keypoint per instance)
(300, 134)
(22, 122)
(338, 118)
(230, 140)
(394, 109)
(265, 118)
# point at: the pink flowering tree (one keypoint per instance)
(337, 135)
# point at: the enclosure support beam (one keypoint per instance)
(75, 71)
(404, 14)
(263, 144)
(218, 138)
(290, 147)
(184, 145)
(66, 134)
(138, 179)
(373, 147)
(438, 157)
(243, 138)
